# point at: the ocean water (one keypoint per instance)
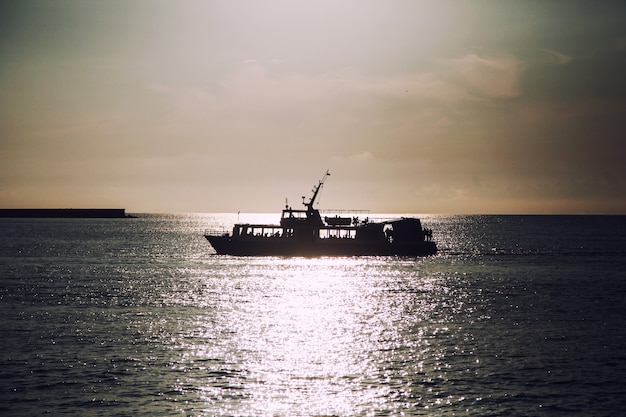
(515, 316)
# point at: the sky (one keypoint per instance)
(448, 106)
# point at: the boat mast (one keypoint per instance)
(316, 190)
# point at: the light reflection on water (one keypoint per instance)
(137, 317)
(317, 336)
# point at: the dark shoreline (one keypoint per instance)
(65, 213)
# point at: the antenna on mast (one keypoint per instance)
(316, 191)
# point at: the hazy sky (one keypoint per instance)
(221, 106)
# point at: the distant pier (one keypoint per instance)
(69, 213)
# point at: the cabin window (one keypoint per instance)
(337, 234)
(261, 231)
(294, 214)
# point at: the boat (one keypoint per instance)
(303, 232)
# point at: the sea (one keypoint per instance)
(514, 316)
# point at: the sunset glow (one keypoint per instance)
(219, 106)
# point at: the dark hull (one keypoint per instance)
(261, 246)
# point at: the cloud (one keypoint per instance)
(557, 57)
(487, 77)
(364, 157)
(259, 89)
(404, 117)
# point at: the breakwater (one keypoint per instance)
(69, 213)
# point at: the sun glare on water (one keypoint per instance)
(295, 336)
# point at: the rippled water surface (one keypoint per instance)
(516, 315)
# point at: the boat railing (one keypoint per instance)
(344, 211)
(216, 231)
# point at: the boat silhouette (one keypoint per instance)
(305, 233)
